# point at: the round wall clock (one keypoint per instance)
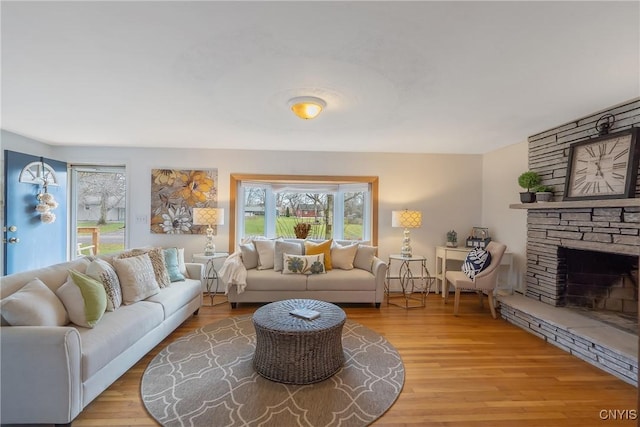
(604, 167)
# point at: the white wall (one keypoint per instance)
(446, 188)
(500, 171)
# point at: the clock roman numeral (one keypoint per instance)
(620, 154)
(620, 165)
(618, 176)
(591, 151)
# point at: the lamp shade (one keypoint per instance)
(208, 216)
(406, 219)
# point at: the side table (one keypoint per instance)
(415, 287)
(213, 263)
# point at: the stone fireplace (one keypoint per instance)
(582, 259)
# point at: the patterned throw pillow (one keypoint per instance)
(156, 256)
(477, 260)
(303, 264)
(137, 278)
(103, 272)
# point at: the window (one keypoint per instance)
(334, 207)
(98, 209)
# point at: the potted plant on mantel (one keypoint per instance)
(528, 180)
(544, 193)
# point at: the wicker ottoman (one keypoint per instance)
(293, 350)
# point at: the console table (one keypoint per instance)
(447, 253)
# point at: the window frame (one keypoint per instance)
(236, 179)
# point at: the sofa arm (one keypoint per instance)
(40, 374)
(379, 270)
(195, 270)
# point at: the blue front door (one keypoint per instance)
(28, 241)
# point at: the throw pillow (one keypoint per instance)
(84, 298)
(181, 264)
(311, 248)
(364, 257)
(34, 305)
(137, 279)
(282, 248)
(342, 256)
(157, 261)
(103, 272)
(249, 255)
(303, 264)
(172, 264)
(266, 253)
(477, 260)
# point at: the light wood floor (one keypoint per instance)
(469, 370)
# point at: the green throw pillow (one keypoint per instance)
(84, 298)
(173, 266)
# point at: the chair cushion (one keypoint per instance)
(477, 260)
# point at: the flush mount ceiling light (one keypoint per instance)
(307, 107)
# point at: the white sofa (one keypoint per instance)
(50, 373)
(364, 283)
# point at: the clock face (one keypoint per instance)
(600, 168)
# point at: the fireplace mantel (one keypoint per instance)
(606, 203)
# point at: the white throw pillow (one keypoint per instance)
(34, 305)
(303, 264)
(102, 271)
(281, 248)
(137, 278)
(364, 257)
(266, 253)
(249, 255)
(342, 256)
(84, 298)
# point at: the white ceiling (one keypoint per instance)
(430, 77)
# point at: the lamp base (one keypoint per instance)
(405, 251)
(209, 248)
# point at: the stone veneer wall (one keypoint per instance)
(608, 229)
(549, 150)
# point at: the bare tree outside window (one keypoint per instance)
(100, 209)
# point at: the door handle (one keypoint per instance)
(14, 240)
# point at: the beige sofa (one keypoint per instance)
(362, 283)
(50, 373)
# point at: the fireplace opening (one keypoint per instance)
(602, 285)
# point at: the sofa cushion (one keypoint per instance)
(281, 248)
(137, 278)
(342, 256)
(312, 248)
(173, 265)
(303, 264)
(269, 280)
(176, 296)
(364, 257)
(102, 271)
(84, 298)
(116, 332)
(341, 280)
(34, 305)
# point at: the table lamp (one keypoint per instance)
(208, 217)
(406, 219)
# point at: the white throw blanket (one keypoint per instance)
(233, 272)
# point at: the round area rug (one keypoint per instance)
(207, 378)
